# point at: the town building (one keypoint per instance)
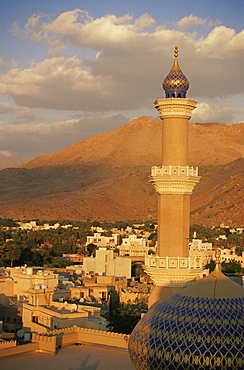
(106, 264)
(25, 278)
(103, 241)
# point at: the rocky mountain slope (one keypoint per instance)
(105, 177)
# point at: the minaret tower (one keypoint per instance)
(174, 181)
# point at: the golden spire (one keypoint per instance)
(175, 84)
(217, 261)
(176, 52)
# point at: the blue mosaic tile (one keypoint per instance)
(187, 333)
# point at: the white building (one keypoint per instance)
(103, 241)
(198, 245)
(133, 241)
(106, 264)
(228, 255)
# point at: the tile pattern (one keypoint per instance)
(188, 333)
(175, 80)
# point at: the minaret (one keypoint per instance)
(174, 181)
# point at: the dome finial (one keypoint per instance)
(176, 52)
(217, 260)
(175, 84)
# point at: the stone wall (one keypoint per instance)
(49, 341)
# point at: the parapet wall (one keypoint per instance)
(7, 344)
(16, 350)
(49, 341)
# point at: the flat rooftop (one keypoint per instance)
(75, 357)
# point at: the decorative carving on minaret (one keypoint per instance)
(174, 179)
(171, 107)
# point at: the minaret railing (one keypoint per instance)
(180, 263)
(174, 170)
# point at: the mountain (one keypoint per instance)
(6, 162)
(106, 177)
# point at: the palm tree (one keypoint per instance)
(13, 252)
(2, 254)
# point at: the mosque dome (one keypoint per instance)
(175, 83)
(199, 328)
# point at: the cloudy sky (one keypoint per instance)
(71, 69)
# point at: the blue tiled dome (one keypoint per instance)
(200, 328)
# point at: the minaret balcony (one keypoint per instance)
(173, 262)
(170, 107)
(174, 271)
(174, 179)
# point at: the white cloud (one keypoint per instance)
(128, 65)
(5, 153)
(6, 108)
(124, 61)
(190, 21)
(221, 43)
(24, 139)
(215, 113)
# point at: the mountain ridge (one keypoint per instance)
(106, 177)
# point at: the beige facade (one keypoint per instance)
(40, 318)
(135, 251)
(106, 264)
(99, 293)
(26, 278)
(6, 290)
(41, 313)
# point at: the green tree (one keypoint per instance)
(231, 267)
(210, 266)
(13, 252)
(124, 318)
(91, 248)
(2, 254)
(239, 250)
(153, 238)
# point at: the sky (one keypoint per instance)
(72, 69)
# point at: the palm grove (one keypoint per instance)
(46, 247)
